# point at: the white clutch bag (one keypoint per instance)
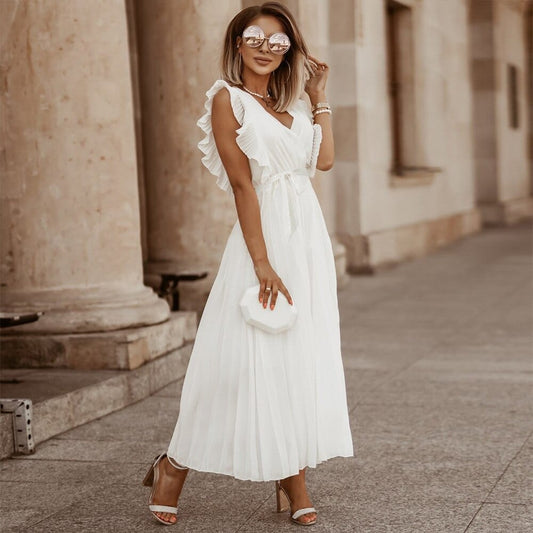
(276, 320)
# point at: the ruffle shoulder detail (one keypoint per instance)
(247, 139)
(211, 158)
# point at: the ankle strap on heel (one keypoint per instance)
(175, 464)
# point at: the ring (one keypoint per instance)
(267, 289)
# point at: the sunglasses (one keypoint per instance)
(254, 37)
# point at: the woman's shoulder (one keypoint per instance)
(231, 97)
(219, 84)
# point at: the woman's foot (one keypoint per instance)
(168, 488)
(297, 492)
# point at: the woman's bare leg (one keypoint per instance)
(297, 491)
(168, 488)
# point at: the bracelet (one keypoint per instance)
(319, 111)
(319, 105)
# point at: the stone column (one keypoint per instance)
(70, 232)
(188, 216)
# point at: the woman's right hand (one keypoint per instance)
(269, 279)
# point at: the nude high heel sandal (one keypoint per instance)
(283, 503)
(150, 480)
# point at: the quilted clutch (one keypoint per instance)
(276, 320)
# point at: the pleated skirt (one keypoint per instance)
(260, 406)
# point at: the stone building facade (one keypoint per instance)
(102, 188)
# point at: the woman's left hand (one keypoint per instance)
(317, 82)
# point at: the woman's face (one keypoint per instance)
(261, 60)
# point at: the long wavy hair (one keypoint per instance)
(287, 82)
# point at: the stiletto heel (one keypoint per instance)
(150, 480)
(283, 503)
(149, 477)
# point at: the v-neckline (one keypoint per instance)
(288, 128)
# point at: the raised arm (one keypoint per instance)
(237, 167)
(316, 89)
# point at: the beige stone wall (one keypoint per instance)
(503, 174)
(528, 24)
(511, 144)
(443, 117)
(316, 19)
(484, 91)
(345, 173)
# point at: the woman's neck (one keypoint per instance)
(257, 84)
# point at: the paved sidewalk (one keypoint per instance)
(438, 355)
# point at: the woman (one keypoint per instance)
(257, 405)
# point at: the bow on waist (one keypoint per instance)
(290, 184)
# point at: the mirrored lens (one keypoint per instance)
(253, 36)
(279, 43)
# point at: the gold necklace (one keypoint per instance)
(256, 94)
(265, 99)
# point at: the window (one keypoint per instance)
(512, 88)
(400, 84)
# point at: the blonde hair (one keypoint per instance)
(287, 82)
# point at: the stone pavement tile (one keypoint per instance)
(476, 366)
(367, 516)
(407, 481)
(389, 333)
(346, 480)
(417, 305)
(72, 471)
(482, 349)
(418, 318)
(460, 382)
(132, 424)
(456, 393)
(421, 516)
(96, 522)
(360, 382)
(209, 502)
(136, 451)
(515, 325)
(479, 341)
(503, 518)
(16, 520)
(516, 484)
(24, 503)
(400, 433)
(386, 352)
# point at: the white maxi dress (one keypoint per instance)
(256, 405)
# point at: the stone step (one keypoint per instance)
(87, 395)
(64, 398)
(126, 348)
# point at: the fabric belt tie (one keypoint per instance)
(290, 183)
